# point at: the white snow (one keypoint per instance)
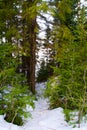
(42, 117)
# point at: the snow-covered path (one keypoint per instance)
(42, 117)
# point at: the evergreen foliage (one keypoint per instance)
(66, 44)
(68, 88)
(14, 94)
(45, 71)
(18, 28)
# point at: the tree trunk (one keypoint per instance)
(28, 61)
(31, 60)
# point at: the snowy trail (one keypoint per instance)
(42, 117)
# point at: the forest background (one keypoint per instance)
(65, 42)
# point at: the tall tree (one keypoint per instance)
(13, 85)
(68, 33)
(29, 41)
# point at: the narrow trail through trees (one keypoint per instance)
(42, 117)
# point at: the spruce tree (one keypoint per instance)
(68, 88)
(14, 93)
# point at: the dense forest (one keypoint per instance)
(60, 28)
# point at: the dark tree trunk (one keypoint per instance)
(31, 60)
(28, 61)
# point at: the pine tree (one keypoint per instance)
(14, 94)
(67, 89)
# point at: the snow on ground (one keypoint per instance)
(42, 117)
